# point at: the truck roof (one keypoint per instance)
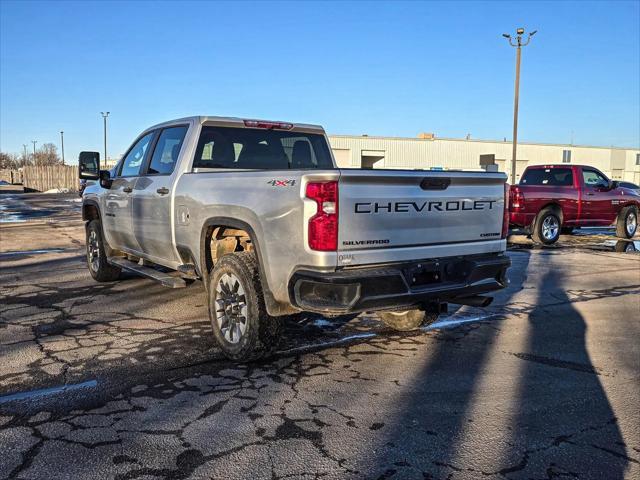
(235, 122)
(558, 165)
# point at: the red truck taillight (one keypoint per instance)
(505, 216)
(517, 199)
(323, 226)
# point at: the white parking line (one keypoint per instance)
(34, 252)
(450, 322)
(47, 391)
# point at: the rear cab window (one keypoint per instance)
(558, 177)
(263, 149)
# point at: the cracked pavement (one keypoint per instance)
(545, 383)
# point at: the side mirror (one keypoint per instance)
(613, 184)
(89, 165)
(105, 179)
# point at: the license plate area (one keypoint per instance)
(423, 274)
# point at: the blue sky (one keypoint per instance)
(378, 68)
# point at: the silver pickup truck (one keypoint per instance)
(260, 213)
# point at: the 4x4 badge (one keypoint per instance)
(281, 183)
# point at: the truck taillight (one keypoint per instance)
(323, 226)
(517, 199)
(505, 215)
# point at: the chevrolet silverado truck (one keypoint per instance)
(555, 199)
(260, 213)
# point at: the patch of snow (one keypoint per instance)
(322, 322)
(57, 190)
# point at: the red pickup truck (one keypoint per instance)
(554, 199)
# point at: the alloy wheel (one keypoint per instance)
(231, 308)
(550, 227)
(631, 223)
(93, 251)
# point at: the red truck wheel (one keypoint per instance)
(627, 222)
(546, 227)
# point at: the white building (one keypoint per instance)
(428, 152)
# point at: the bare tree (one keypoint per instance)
(9, 161)
(47, 154)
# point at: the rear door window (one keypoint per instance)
(253, 148)
(165, 155)
(559, 177)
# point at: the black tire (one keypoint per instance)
(100, 269)
(624, 246)
(546, 227)
(246, 309)
(408, 320)
(566, 230)
(627, 222)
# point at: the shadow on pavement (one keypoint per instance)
(476, 423)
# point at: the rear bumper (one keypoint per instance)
(399, 285)
(521, 219)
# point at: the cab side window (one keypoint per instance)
(133, 161)
(593, 179)
(165, 155)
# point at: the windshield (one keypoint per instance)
(255, 148)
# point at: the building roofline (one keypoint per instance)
(449, 139)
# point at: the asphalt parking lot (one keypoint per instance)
(122, 380)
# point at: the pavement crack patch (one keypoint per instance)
(553, 362)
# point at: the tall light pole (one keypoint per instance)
(519, 43)
(62, 144)
(104, 117)
(24, 146)
(34, 148)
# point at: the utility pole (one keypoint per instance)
(34, 150)
(518, 44)
(104, 117)
(24, 146)
(62, 144)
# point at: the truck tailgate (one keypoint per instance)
(400, 209)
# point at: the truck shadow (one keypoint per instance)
(548, 416)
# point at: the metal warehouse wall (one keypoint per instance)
(447, 153)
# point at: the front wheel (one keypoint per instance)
(100, 269)
(409, 319)
(241, 325)
(627, 222)
(546, 228)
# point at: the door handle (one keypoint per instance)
(590, 194)
(163, 190)
(127, 189)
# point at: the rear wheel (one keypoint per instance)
(546, 228)
(408, 319)
(99, 268)
(241, 325)
(627, 222)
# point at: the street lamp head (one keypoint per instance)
(506, 35)
(520, 31)
(533, 33)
